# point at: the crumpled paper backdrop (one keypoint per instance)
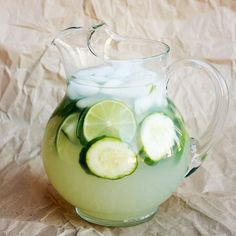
(32, 83)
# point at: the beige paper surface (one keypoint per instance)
(32, 83)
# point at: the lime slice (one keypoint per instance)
(67, 143)
(110, 118)
(68, 127)
(68, 151)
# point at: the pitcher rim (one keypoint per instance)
(113, 34)
(93, 29)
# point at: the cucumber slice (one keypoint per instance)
(110, 118)
(158, 137)
(82, 158)
(110, 158)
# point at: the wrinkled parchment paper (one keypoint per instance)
(32, 83)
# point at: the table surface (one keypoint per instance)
(32, 83)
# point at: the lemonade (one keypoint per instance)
(114, 149)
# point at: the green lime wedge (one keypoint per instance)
(67, 143)
(68, 127)
(68, 151)
(110, 118)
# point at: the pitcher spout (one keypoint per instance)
(72, 44)
(86, 47)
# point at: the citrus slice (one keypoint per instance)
(68, 127)
(110, 118)
(67, 143)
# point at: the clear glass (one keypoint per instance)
(117, 147)
(200, 145)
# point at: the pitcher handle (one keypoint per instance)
(200, 147)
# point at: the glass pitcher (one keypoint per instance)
(117, 147)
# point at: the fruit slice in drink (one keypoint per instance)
(67, 143)
(110, 158)
(110, 118)
(158, 137)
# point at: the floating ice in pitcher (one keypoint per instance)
(104, 71)
(126, 92)
(89, 101)
(99, 74)
(119, 88)
(159, 96)
(142, 78)
(156, 97)
(135, 85)
(143, 104)
(132, 86)
(124, 69)
(76, 90)
(98, 70)
(113, 83)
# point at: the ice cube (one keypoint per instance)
(155, 97)
(99, 79)
(143, 104)
(135, 85)
(111, 87)
(76, 90)
(120, 73)
(95, 71)
(98, 74)
(89, 101)
(144, 77)
(113, 83)
(86, 72)
(104, 71)
(159, 94)
(126, 92)
(125, 69)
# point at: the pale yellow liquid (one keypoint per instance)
(131, 197)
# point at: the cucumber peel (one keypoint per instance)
(109, 158)
(158, 137)
(82, 158)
